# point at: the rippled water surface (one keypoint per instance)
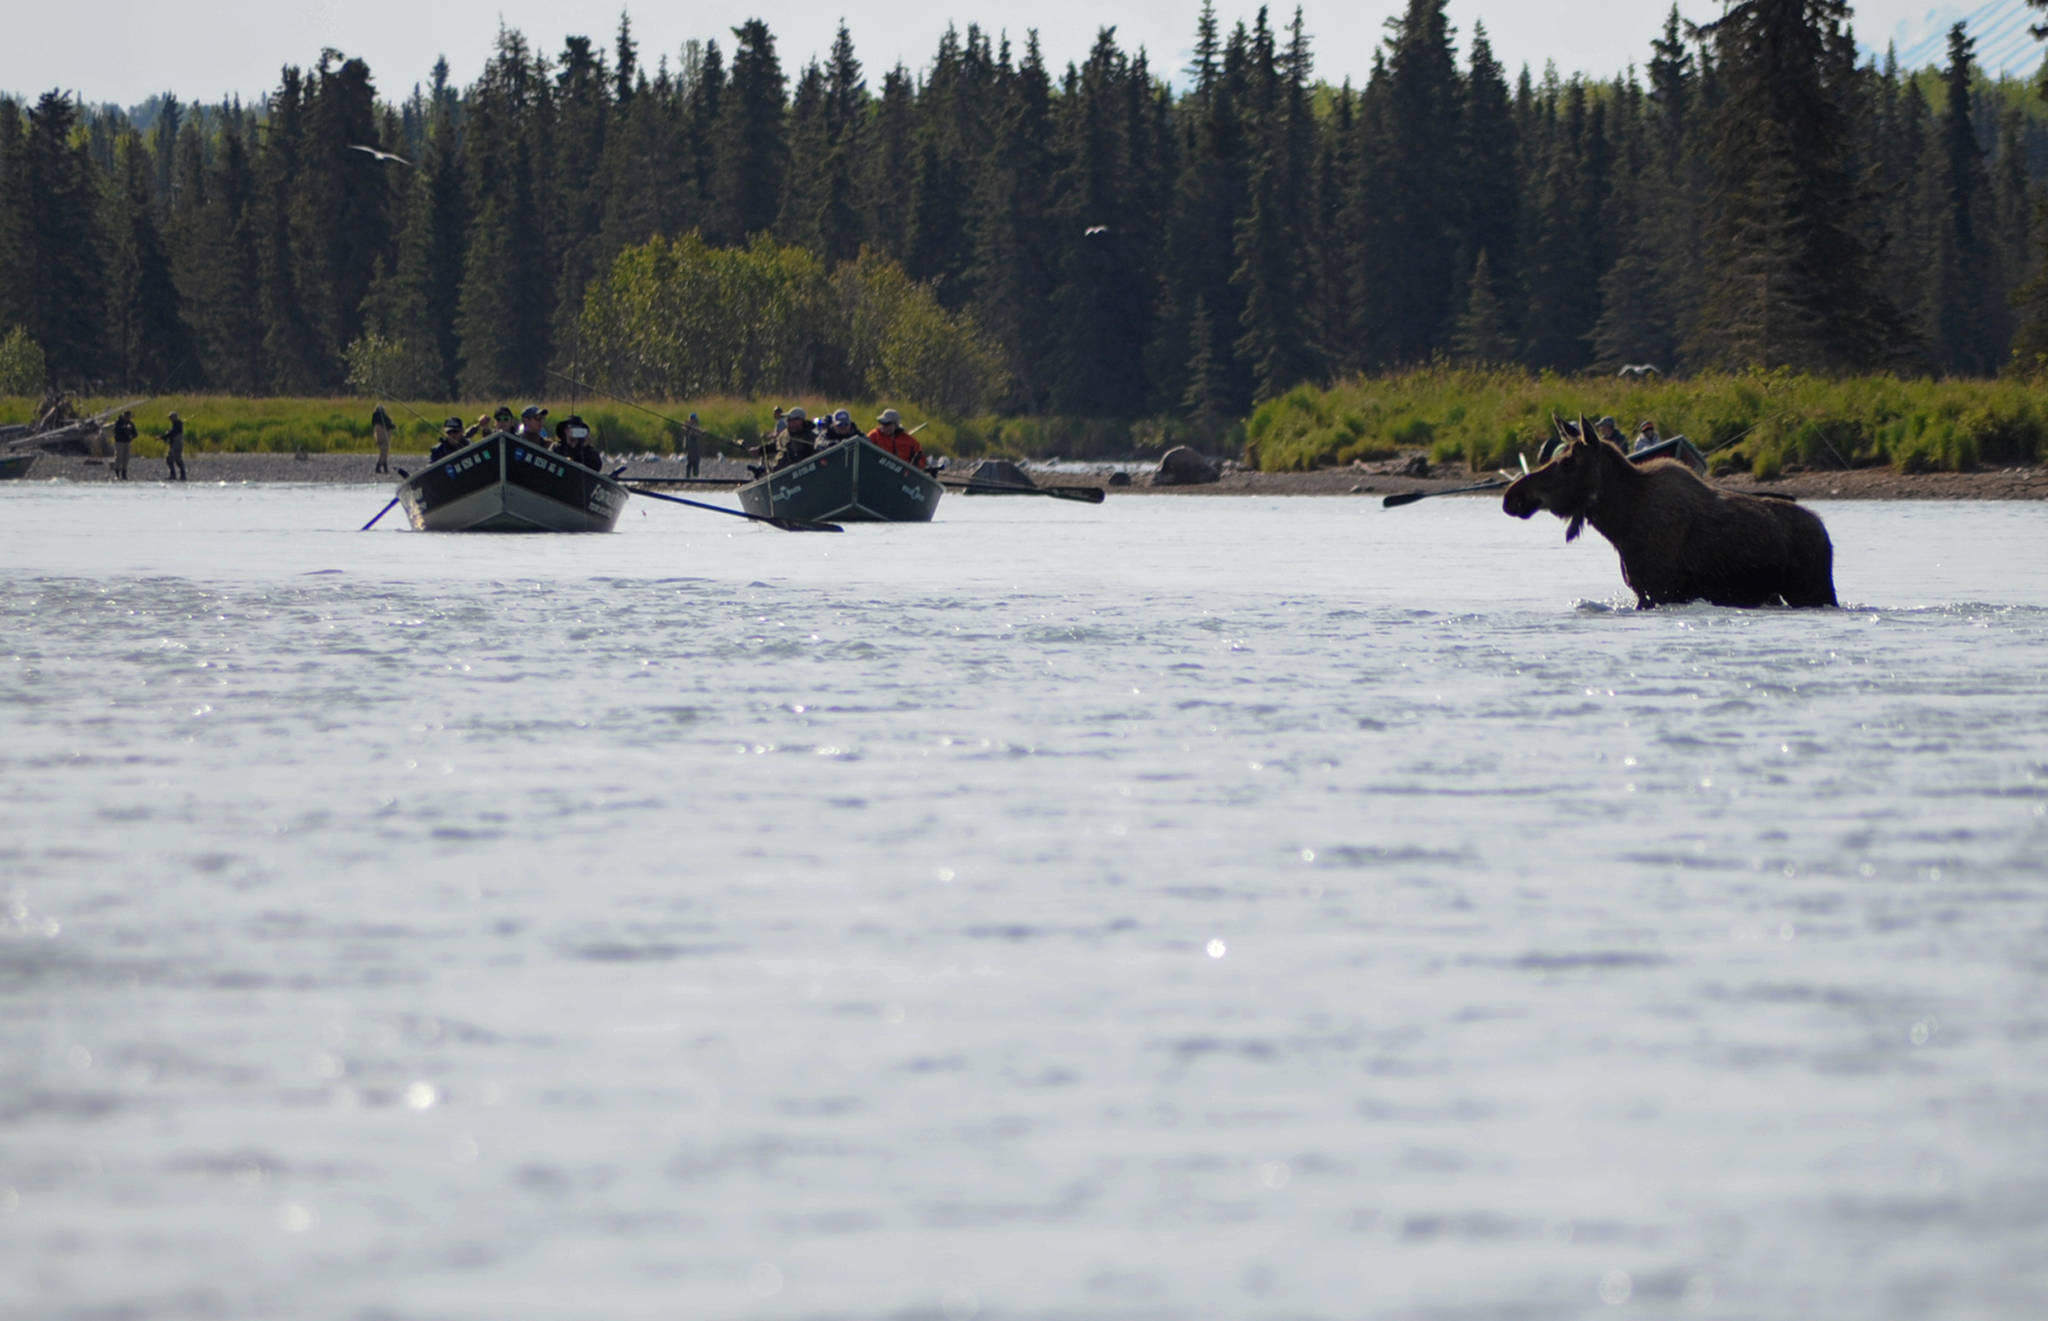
(1178, 908)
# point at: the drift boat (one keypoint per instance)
(855, 481)
(17, 464)
(501, 483)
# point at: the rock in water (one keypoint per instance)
(1181, 466)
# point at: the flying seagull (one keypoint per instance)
(1093, 230)
(380, 155)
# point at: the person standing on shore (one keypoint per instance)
(693, 446)
(380, 430)
(124, 442)
(174, 449)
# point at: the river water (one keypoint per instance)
(1179, 908)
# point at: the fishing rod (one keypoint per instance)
(685, 426)
(414, 411)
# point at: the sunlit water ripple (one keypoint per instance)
(1178, 908)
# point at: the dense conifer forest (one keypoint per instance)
(1109, 239)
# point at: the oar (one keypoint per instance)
(1087, 495)
(402, 475)
(1410, 497)
(684, 481)
(786, 524)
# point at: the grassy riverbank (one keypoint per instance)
(1760, 423)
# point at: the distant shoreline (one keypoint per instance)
(1380, 479)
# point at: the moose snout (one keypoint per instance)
(1518, 500)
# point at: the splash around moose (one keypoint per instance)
(1679, 538)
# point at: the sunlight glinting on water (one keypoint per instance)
(1176, 908)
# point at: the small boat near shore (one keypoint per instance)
(502, 483)
(854, 481)
(17, 464)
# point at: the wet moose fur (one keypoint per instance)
(1679, 538)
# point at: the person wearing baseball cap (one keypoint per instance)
(452, 439)
(890, 435)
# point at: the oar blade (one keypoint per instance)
(799, 525)
(1405, 498)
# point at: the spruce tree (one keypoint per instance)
(1102, 307)
(752, 151)
(1490, 201)
(223, 294)
(837, 219)
(1968, 328)
(147, 339)
(1270, 241)
(1482, 335)
(1789, 281)
(50, 242)
(1013, 269)
(1419, 186)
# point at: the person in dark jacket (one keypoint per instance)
(840, 426)
(452, 439)
(693, 446)
(380, 431)
(124, 441)
(174, 449)
(573, 442)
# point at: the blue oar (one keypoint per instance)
(402, 473)
(786, 524)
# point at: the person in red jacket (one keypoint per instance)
(891, 436)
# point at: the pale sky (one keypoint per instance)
(124, 50)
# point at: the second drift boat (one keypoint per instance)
(855, 481)
(503, 483)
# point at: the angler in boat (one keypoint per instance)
(513, 480)
(818, 474)
(890, 435)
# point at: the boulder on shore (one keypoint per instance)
(999, 472)
(1181, 466)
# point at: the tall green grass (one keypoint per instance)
(1760, 422)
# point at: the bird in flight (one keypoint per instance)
(1093, 230)
(380, 155)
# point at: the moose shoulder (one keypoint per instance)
(1679, 538)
